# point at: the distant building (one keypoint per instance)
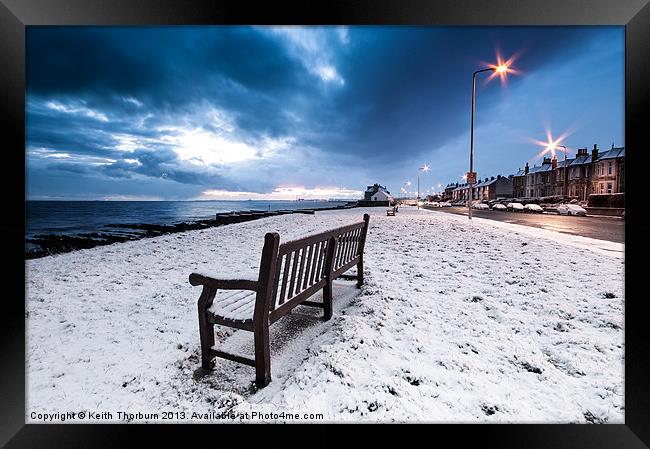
(381, 195)
(373, 189)
(376, 195)
(494, 188)
(449, 191)
(608, 171)
(538, 179)
(519, 182)
(487, 189)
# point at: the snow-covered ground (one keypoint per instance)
(458, 321)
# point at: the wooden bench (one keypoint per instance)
(289, 274)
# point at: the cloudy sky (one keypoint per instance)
(320, 112)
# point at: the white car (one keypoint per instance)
(533, 208)
(571, 209)
(499, 206)
(435, 204)
(515, 207)
(445, 204)
(480, 206)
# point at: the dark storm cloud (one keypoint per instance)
(379, 95)
(410, 87)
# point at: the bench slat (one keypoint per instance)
(339, 250)
(321, 260)
(348, 254)
(287, 260)
(303, 258)
(355, 250)
(310, 261)
(293, 302)
(343, 268)
(292, 282)
(317, 249)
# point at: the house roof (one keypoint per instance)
(382, 190)
(581, 160)
(612, 154)
(540, 168)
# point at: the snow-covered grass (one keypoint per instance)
(458, 321)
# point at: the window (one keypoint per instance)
(609, 187)
(609, 168)
(601, 188)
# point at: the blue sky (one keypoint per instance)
(318, 112)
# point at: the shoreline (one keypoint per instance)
(51, 244)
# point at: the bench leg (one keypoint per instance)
(207, 341)
(327, 300)
(360, 273)
(206, 329)
(262, 356)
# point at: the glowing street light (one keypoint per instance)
(501, 70)
(550, 146)
(424, 168)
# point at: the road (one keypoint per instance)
(602, 228)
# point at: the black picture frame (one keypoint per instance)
(15, 15)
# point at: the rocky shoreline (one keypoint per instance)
(50, 244)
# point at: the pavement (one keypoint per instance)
(597, 227)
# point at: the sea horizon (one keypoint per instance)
(79, 217)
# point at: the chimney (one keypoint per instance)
(594, 154)
(498, 177)
(554, 163)
(582, 151)
(526, 168)
(547, 160)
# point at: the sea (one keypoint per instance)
(76, 217)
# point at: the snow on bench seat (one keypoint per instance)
(236, 305)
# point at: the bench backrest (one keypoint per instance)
(303, 266)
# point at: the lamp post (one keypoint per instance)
(424, 168)
(565, 171)
(501, 69)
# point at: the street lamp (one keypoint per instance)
(565, 170)
(501, 70)
(424, 168)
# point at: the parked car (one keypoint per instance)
(571, 209)
(435, 204)
(515, 207)
(480, 206)
(499, 206)
(445, 204)
(536, 208)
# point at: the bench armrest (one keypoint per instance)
(223, 284)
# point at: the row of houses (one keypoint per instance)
(486, 189)
(598, 172)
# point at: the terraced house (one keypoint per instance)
(597, 172)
